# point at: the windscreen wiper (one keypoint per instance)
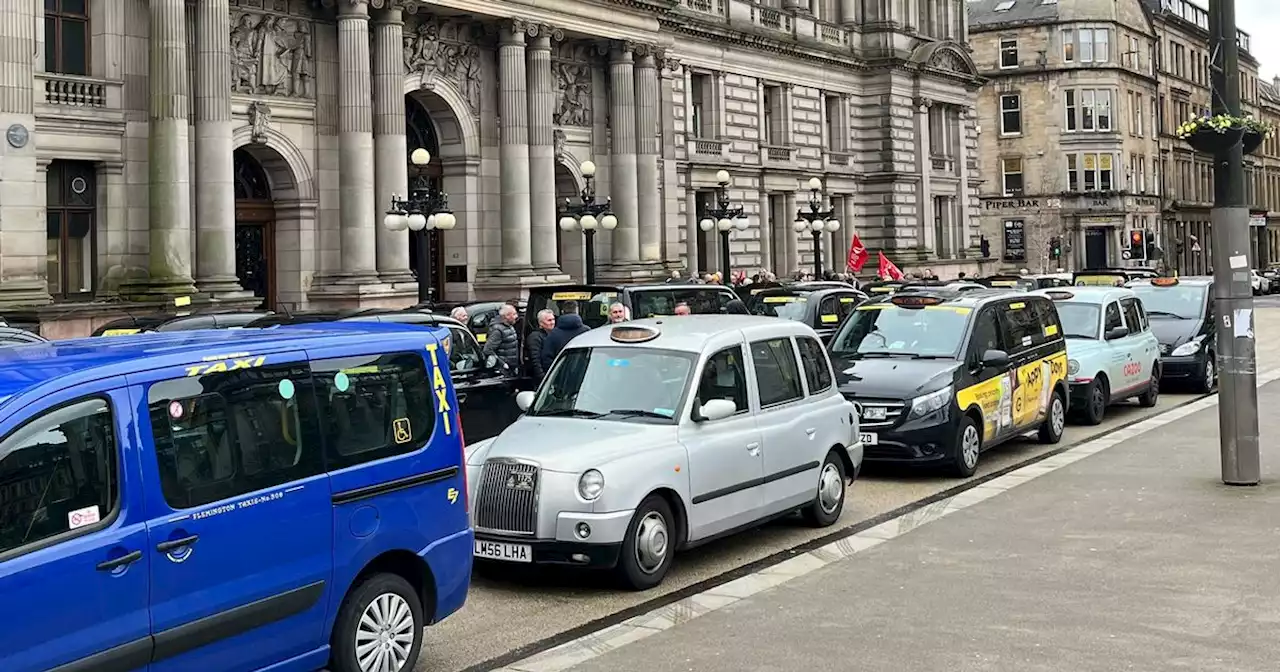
(567, 413)
(637, 413)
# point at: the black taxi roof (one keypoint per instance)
(972, 298)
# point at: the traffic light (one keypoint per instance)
(1055, 247)
(1137, 244)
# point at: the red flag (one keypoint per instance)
(887, 270)
(858, 255)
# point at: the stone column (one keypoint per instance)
(170, 203)
(766, 232)
(668, 165)
(791, 252)
(649, 210)
(923, 146)
(622, 177)
(542, 153)
(692, 235)
(390, 153)
(356, 205)
(23, 262)
(962, 166)
(513, 116)
(215, 188)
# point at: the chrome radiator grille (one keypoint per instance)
(507, 500)
(875, 413)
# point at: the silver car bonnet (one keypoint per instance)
(574, 445)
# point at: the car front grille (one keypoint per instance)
(507, 500)
(1165, 348)
(892, 409)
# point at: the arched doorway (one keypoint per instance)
(255, 229)
(421, 132)
(569, 244)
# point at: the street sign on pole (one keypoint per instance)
(1232, 283)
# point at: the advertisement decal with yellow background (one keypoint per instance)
(1017, 400)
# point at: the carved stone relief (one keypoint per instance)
(445, 48)
(947, 59)
(558, 140)
(259, 122)
(571, 64)
(272, 55)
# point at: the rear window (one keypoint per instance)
(786, 306)
(661, 301)
(593, 306)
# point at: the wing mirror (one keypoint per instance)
(995, 359)
(1117, 332)
(716, 409)
(524, 400)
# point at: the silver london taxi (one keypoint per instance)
(657, 435)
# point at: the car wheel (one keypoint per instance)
(648, 546)
(827, 504)
(1055, 422)
(1149, 398)
(379, 627)
(1095, 402)
(968, 448)
(1208, 380)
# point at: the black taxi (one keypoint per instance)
(1110, 277)
(822, 309)
(1181, 314)
(211, 319)
(939, 376)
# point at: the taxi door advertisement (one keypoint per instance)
(1016, 400)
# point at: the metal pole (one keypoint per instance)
(1237, 359)
(591, 255)
(424, 267)
(817, 255)
(725, 259)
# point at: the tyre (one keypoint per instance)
(968, 448)
(828, 502)
(1151, 397)
(1207, 382)
(1095, 402)
(649, 545)
(1055, 421)
(379, 627)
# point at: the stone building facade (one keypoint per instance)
(244, 151)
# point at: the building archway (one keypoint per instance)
(422, 133)
(255, 228)
(570, 249)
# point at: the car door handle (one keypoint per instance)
(166, 546)
(122, 561)
(462, 397)
(753, 448)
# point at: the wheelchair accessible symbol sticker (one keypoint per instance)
(402, 431)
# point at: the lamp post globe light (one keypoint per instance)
(426, 210)
(816, 219)
(588, 216)
(725, 218)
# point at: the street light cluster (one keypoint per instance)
(588, 216)
(817, 219)
(723, 218)
(427, 208)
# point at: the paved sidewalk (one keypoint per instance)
(1133, 558)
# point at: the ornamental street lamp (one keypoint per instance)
(724, 218)
(587, 216)
(816, 220)
(426, 208)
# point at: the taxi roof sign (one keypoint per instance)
(914, 301)
(1164, 282)
(632, 333)
(1060, 295)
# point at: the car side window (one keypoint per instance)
(817, 369)
(777, 376)
(1050, 324)
(845, 304)
(1112, 317)
(221, 435)
(1132, 316)
(828, 312)
(986, 335)
(464, 350)
(1024, 326)
(58, 475)
(373, 406)
(725, 377)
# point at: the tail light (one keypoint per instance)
(462, 446)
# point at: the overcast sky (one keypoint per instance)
(1261, 19)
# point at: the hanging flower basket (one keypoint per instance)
(1255, 132)
(1219, 133)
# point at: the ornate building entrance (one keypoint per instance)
(255, 229)
(421, 132)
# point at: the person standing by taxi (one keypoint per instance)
(533, 344)
(503, 341)
(460, 314)
(618, 313)
(568, 326)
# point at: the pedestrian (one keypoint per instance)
(503, 340)
(618, 313)
(568, 327)
(682, 309)
(736, 307)
(459, 314)
(533, 344)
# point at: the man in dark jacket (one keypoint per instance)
(568, 326)
(533, 344)
(736, 307)
(503, 341)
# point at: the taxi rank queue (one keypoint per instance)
(154, 470)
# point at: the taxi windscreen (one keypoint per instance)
(884, 329)
(615, 383)
(786, 306)
(1180, 302)
(1079, 320)
(593, 306)
(708, 300)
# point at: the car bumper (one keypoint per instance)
(582, 540)
(1182, 368)
(924, 441)
(450, 562)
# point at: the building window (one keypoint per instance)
(71, 202)
(699, 95)
(1097, 172)
(1088, 109)
(1069, 45)
(1069, 104)
(1010, 114)
(1011, 176)
(773, 131)
(835, 123)
(942, 131)
(1073, 173)
(1086, 45)
(66, 36)
(1008, 53)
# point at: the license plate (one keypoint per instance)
(868, 438)
(497, 550)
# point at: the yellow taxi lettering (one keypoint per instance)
(431, 348)
(437, 379)
(442, 398)
(452, 495)
(194, 370)
(236, 363)
(442, 401)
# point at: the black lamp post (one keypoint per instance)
(426, 210)
(723, 217)
(816, 220)
(587, 216)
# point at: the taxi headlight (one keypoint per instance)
(930, 403)
(1191, 347)
(1073, 367)
(590, 485)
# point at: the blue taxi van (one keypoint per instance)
(283, 499)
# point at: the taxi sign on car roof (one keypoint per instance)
(914, 301)
(632, 333)
(1164, 282)
(1060, 295)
